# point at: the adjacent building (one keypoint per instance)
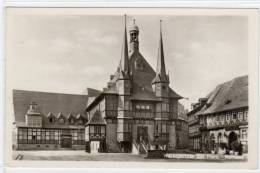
(46, 121)
(182, 138)
(136, 111)
(194, 126)
(220, 120)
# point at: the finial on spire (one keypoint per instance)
(125, 20)
(134, 21)
(161, 26)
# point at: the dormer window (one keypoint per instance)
(52, 120)
(80, 119)
(227, 101)
(61, 120)
(71, 121)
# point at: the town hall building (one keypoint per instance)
(137, 111)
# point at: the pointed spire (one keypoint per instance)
(160, 69)
(124, 62)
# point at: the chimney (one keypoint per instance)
(203, 101)
(194, 105)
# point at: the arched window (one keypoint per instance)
(219, 138)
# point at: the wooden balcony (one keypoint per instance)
(97, 136)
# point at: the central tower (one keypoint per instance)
(134, 42)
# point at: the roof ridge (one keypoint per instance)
(21, 90)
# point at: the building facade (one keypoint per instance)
(182, 138)
(220, 120)
(137, 111)
(194, 128)
(49, 121)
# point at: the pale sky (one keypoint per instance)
(67, 53)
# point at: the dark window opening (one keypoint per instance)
(227, 101)
(33, 137)
(234, 116)
(51, 120)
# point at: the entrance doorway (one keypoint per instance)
(142, 134)
(126, 146)
(212, 142)
(66, 141)
(232, 140)
(94, 146)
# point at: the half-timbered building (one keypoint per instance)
(136, 111)
(220, 120)
(138, 106)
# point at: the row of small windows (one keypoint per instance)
(244, 134)
(241, 115)
(195, 143)
(97, 129)
(192, 117)
(143, 107)
(194, 129)
(46, 136)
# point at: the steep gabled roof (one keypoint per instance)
(60, 115)
(49, 104)
(228, 96)
(49, 115)
(79, 116)
(70, 116)
(96, 119)
(91, 92)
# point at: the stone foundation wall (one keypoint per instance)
(111, 138)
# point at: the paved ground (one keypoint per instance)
(83, 156)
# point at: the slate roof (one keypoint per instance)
(227, 96)
(49, 104)
(91, 92)
(141, 80)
